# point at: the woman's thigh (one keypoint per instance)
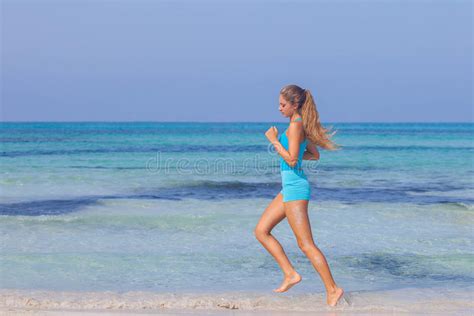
(273, 214)
(297, 214)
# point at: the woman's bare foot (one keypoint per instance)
(288, 282)
(333, 297)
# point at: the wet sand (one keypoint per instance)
(406, 301)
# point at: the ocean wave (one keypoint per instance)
(460, 205)
(205, 189)
(410, 148)
(166, 148)
(173, 148)
(224, 190)
(161, 222)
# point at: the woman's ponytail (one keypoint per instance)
(313, 128)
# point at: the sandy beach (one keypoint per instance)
(407, 301)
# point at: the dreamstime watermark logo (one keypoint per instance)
(256, 164)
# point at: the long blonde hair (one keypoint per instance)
(306, 107)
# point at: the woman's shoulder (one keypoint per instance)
(296, 124)
(295, 128)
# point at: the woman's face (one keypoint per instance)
(286, 108)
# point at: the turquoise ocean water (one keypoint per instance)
(172, 207)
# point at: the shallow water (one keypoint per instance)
(171, 207)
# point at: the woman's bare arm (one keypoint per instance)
(295, 134)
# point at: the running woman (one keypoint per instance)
(298, 142)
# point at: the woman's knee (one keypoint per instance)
(306, 246)
(260, 233)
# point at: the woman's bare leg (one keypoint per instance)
(272, 215)
(297, 215)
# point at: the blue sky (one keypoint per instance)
(135, 60)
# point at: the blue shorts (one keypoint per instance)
(295, 186)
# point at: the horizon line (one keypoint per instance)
(233, 122)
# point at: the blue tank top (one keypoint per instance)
(284, 141)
